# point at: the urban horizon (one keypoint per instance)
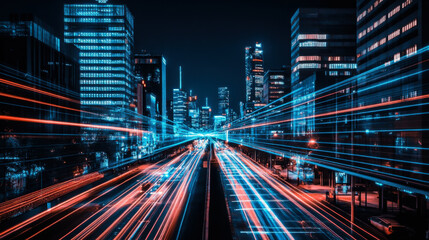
(217, 120)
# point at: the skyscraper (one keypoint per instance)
(179, 103)
(150, 71)
(390, 35)
(195, 119)
(276, 85)
(223, 100)
(394, 29)
(39, 79)
(42, 60)
(104, 33)
(193, 114)
(277, 92)
(179, 106)
(254, 70)
(322, 53)
(205, 116)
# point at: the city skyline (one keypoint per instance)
(194, 45)
(214, 120)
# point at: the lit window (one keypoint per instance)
(412, 50)
(312, 44)
(362, 34)
(394, 11)
(377, 44)
(342, 66)
(334, 58)
(409, 25)
(312, 36)
(364, 13)
(406, 3)
(308, 58)
(307, 66)
(396, 57)
(394, 34)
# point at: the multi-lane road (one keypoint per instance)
(120, 208)
(170, 199)
(262, 206)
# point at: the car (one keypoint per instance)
(146, 186)
(390, 226)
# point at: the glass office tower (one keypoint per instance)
(104, 33)
(254, 69)
(179, 106)
(390, 37)
(223, 100)
(323, 53)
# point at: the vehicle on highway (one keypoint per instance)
(146, 186)
(390, 226)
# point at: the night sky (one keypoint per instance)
(206, 37)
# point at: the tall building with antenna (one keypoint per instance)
(179, 102)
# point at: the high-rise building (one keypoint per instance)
(389, 30)
(223, 100)
(39, 81)
(180, 102)
(254, 70)
(322, 53)
(205, 116)
(179, 106)
(104, 33)
(31, 50)
(195, 118)
(390, 36)
(242, 109)
(192, 118)
(276, 85)
(150, 72)
(276, 93)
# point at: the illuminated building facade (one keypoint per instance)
(150, 72)
(179, 106)
(195, 119)
(223, 100)
(254, 70)
(193, 113)
(104, 33)
(218, 122)
(323, 52)
(205, 117)
(276, 85)
(390, 35)
(242, 109)
(389, 30)
(39, 79)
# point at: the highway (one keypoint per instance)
(119, 208)
(259, 205)
(262, 206)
